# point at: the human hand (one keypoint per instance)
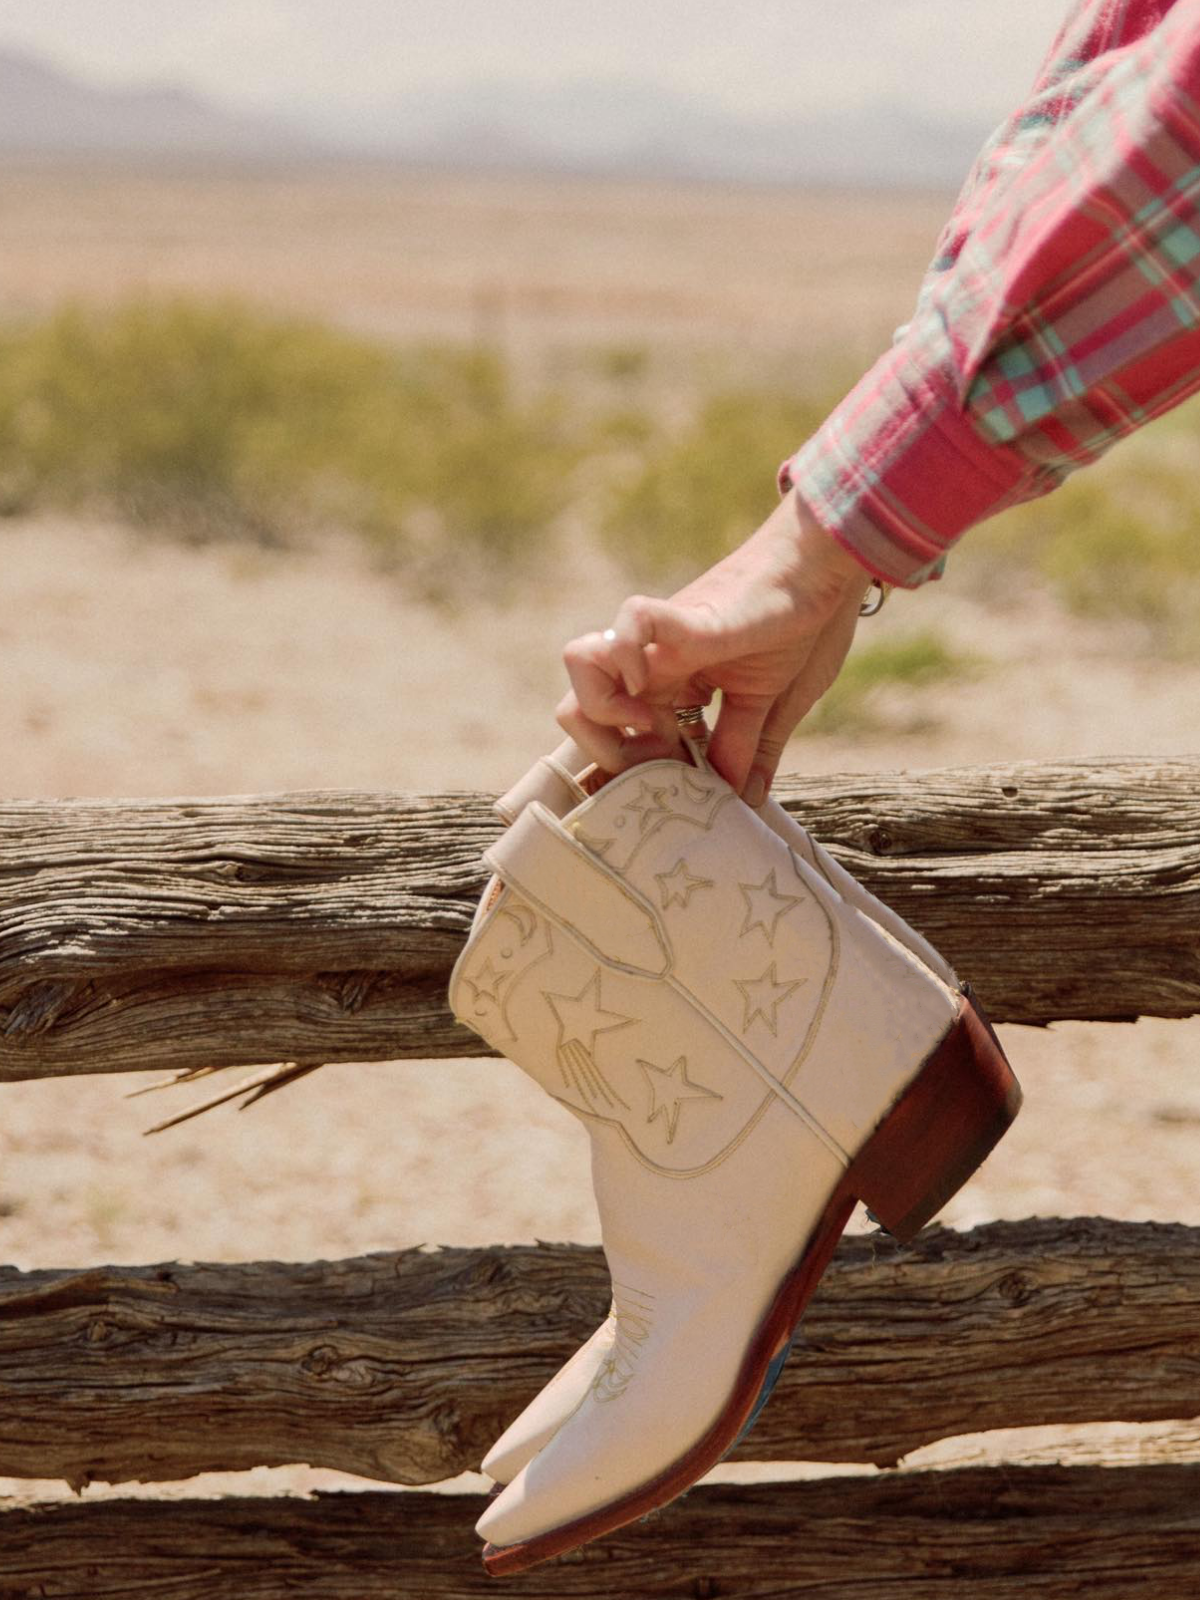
(769, 626)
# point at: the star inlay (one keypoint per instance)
(679, 884)
(765, 905)
(669, 1088)
(762, 997)
(486, 982)
(651, 803)
(581, 1017)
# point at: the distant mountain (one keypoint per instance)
(622, 128)
(629, 127)
(46, 111)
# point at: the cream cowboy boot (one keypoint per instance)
(751, 1055)
(552, 781)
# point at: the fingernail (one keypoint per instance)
(755, 791)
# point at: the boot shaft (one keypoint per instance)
(667, 965)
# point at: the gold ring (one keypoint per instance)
(689, 716)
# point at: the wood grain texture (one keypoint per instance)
(1006, 1533)
(322, 927)
(310, 927)
(1061, 890)
(406, 1367)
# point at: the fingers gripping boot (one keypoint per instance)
(750, 1055)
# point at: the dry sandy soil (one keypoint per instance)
(534, 263)
(137, 667)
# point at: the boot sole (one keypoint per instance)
(925, 1147)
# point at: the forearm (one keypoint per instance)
(1060, 316)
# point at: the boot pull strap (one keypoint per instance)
(554, 779)
(568, 884)
(551, 780)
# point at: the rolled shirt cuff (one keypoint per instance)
(901, 469)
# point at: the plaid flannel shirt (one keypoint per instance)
(1061, 310)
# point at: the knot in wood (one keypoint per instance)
(37, 1009)
(1015, 1288)
(489, 1270)
(321, 1360)
(446, 1421)
(880, 840)
(326, 1363)
(354, 991)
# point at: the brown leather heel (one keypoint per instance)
(941, 1128)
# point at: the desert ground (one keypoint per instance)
(534, 262)
(137, 666)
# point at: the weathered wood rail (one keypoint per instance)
(322, 927)
(405, 1367)
(314, 928)
(1004, 1533)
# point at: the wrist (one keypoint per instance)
(820, 551)
(821, 576)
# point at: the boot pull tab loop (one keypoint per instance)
(574, 889)
(551, 780)
(554, 780)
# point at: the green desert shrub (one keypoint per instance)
(213, 418)
(912, 660)
(1120, 540)
(688, 497)
(205, 418)
(1132, 551)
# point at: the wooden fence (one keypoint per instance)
(321, 927)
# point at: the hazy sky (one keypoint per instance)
(970, 58)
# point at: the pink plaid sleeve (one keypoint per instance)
(1061, 312)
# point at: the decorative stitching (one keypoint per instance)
(810, 1038)
(760, 903)
(516, 912)
(527, 924)
(496, 859)
(675, 1083)
(633, 1325)
(679, 884)
(696, 791)
(703, 823)
(489, 989)
(777, 1088)
(760, 993)
(576, 1020)
(598, 847)
(647, 805)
